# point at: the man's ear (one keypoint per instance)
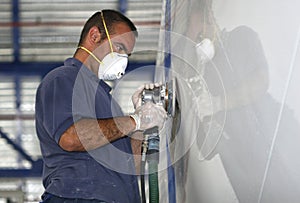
(94, 35)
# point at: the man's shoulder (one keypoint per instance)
(64, 72)
(241, 33)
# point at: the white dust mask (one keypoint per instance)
(113, 66)
(205, 50)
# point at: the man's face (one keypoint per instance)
(123, 40)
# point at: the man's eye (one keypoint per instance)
(119, 48)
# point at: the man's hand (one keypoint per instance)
(137, 95)
(149, 115)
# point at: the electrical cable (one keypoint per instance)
(143, 193)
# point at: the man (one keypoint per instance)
(82, 131)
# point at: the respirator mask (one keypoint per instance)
(114, 64)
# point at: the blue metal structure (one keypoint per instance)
(16, 30)
(123, 6)
(167, 64)
(36, 165)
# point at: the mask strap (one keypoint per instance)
(88, 51)
(106, 31)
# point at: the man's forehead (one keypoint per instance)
(123, 34)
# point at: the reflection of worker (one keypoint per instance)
(237, 69)
(240, 68)
(234, 76)
(76, 118)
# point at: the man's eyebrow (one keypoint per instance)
(124, 47)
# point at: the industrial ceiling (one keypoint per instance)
(48, 30)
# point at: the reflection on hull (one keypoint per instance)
(237, 139)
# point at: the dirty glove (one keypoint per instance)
(137, 95)
(150, 86)
(148, 116)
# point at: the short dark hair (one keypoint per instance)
(111, 17)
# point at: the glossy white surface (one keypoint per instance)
(239, 135)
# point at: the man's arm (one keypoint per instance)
(136, 144)
(89, 134)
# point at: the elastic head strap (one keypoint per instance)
(88, 51)
(106, 31)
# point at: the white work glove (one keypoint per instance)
(137, 95)
(148, 116)
(150, 86)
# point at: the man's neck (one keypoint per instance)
(84, 58)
